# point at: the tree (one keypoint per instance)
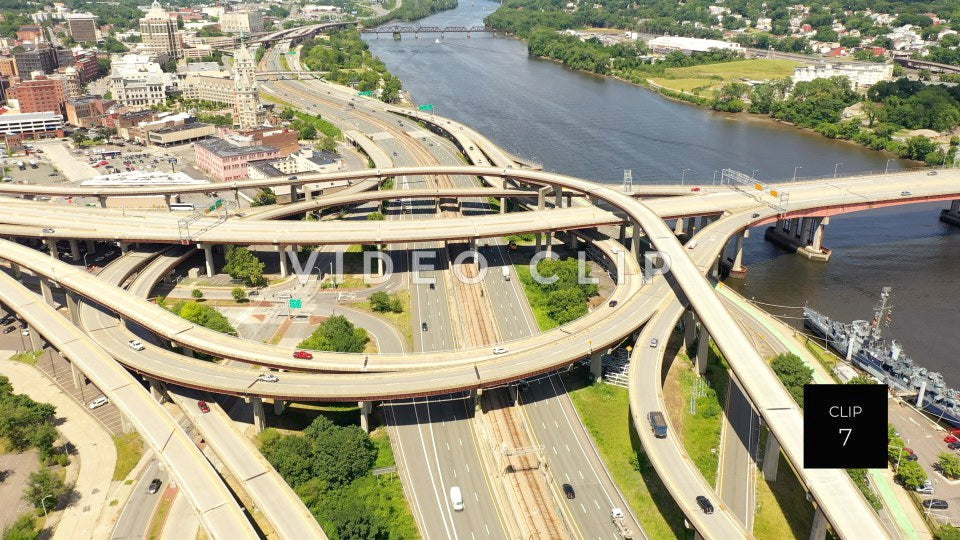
(861, 379)
(327, 144)
(24, 528)
(911, 474)
(380, 301)
(197, 294)
(730, 97)
(375, 216)
(239, 295)
(242, 264)
(45, 488)
(949, 464)
(292, 456)
(340, 453)
(205, 316)
(565, 305)
(170, 66)
(793, 373)
(265, 197)
(21, 418)
(336, 334)
(875, 112)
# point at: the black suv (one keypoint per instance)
(705, 504)
(568, 491)
(154, 486)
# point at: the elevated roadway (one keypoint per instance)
(218, 510)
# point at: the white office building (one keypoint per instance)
(138, 83)
(665, 44)
(861, 76)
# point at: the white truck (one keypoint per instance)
(616, 515)
(505, 272)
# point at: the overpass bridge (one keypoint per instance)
(299, 34)
(417, 30)
(934, 67)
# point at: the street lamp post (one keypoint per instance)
(714, 177)
(795, 172)
(43, 503)
(835, 167)
(683, 173)
(886, 169)
(753, 174)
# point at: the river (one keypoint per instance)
(595, 127)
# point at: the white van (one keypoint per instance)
(505, 272)
(456, 498)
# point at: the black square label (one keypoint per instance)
(845, 426)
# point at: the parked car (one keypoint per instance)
(705, 504)
(99, 402)
(568, 491)
(202, 405)
(303, 355)
(911, 457)
(953, 445)
(499, 350)
(9, 329)
(936, 504)
(926, 490)
(266, 377)
(154, 486)
(950, 439)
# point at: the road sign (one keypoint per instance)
(365, 93)
(427, 107)
(292, 53)
(296, 303)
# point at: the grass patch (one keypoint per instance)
(28, 357)
(826, 358)
(536, 298)
(400, 321)
(753, 69)
(783, 510)
(381, 439)
(129, 451)
(687, 84)
(605, 410)
(701, 432)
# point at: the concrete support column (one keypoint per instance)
(124, 246)
(366, 407)
(73, 307)
(46, 292)
(294, 194)
(539, 238)
(689, 226)
(75, 250)
(818, 531)
(208, 258)
(383, 249)
(472, 244)
(955, 206)
(91, 246)
(635, 241)
(596, 365)
(542, 197)
(167, 199)
(36, 343)
(623, 233)
(156, 390)
(259, 419)
(784, 225)
(102, 201)
(771, 458)
(738, 253)
(557, 197)
(549, 235)
(703, 350)
(52, 245)
(801, 224)
(17, 274)
(278, 405)
(678, 227)
(794, 223)
(187, 352)
(689, 328)
(704, 221)
(571, 241)
(76, 376)
(503, 205)
(817, 244)
(569, 197)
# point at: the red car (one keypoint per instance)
(695, 189)
(204, 408)
(955, 432)
(950, 439)
(303, 355)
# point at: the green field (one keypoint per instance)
(783, 510)
(605, 410)
(688, 85)
(755, 69)
(701, 432)
(129, 451)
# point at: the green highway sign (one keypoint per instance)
(427, 107)
(365, 93)
(296, 303)
(292, 53)
(215, 205)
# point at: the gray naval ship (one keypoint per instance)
(860, 343)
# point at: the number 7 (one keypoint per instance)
(849, 432)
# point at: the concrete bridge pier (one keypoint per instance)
(703, 350)
(596, 365)
(76, 376)
(539, 238)
(571, 241)
(259, 418)
(814, 249)
(156, 390)
(278, 406)
(689, 227)
(818, 531)
(734, 264)
(284, 261)
(91, 246)
(635, 241)
(806, 240)
(74, 250)
(542, 197)
(503, 205)
(623, 233)
(771, 458)
(208, 258)
(951, 215)
(52, 245)
(47, 292)
(678, 227)
(124, 247)
(689, 329)
(167, 200)
(73, 307)
(17, 274)
(294, 194)
(366, 407)
(36, 343)
(557, 196)
(102, 201)
(549, 247)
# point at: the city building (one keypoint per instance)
(87, 66)
(87, 111)
(182, 134)
(304, 161)
(8, 67)
(140, 131)
(16, 127)
(42, 59)
(72, 87)
(83, 27)
(215, 86)
(200, 50)
(286, 140)
(159, 33)
(143, 178)
(241, 22)
(226, 162)
(666, 44)
(30, 32)
(247, 111)
(41, 94)
(862, 76)
(64, 57)
(138, 83)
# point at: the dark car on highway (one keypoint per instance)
(568, 491)
(705, 504)
(154, 486)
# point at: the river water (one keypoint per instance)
(594, 127)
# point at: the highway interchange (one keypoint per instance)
(428, 418)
